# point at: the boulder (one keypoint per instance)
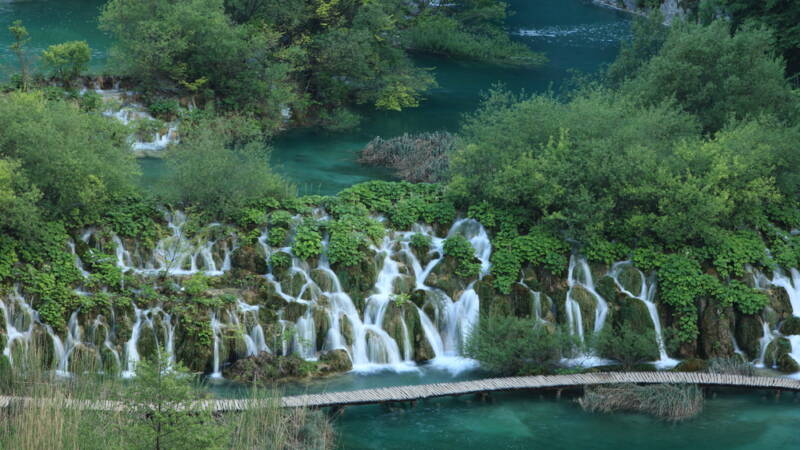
(778, 355)
(779, 302)
(443, 277)
(588, 305)
(716, 330)
(358, 280)
(250, 259)
(631, 279)
(748, 335)
(790, 326)
(264, 369)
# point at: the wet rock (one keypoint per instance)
(790, 326)
(716, 335)
(778, 356)
(250, 259)
(294, 310)
(779, 302)
(748, 334)
(588, 305)
(631, 279)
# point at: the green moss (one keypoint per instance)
(748, 334)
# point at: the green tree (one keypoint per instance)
(626, 344)
(717, 76)
(507, 345)
(214, 172)
(18, 201)
(161, 414)
(21, 40)
(80, 162)
(66, 61)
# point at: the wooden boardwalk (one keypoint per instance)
(425, 391)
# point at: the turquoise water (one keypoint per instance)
(575, 36)
(52, 22)
(730, 421)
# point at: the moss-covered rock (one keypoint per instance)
(322, 323)
(249, 258)
(335, 361)
(779, 302)
(790, 326)
(588, 305)
(631, 280)
(748, 335)
(322, 278)
(264, 369)
(444, 277)
(358, 280)
(778, 356)
(404, 284)
(716, 330)
(84, 359)
(294, 310)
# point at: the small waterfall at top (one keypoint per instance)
(647, 293)
(131, 113)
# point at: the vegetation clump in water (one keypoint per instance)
(668, 402)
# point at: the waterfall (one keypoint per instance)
(791, 285)
(63, 352)
(177, 254)
(216, 332)
(131, 351)
(582, 279)
(647, 293)
(765, 340)
(78, 262)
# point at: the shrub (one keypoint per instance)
(308, 240)
(731, 366)
(507, 345)
(420, 242)
(459, 248)
(626, 344)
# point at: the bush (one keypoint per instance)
(507, 345)
(420, 242)
(732, 366)
(665, 401)
(459, 248)
(626, 344)
(308, 240)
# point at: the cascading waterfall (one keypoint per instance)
(647, 293)
(579, 276)
(764, 342)
(176, 255)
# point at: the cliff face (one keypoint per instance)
(670, 9)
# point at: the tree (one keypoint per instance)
(507, 345)
(80, 162)
(160, 414)
(717, 76)
(66, 61)
(18, 201)
(219, 172)
(21, 40)
(626, 344)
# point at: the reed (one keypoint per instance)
(666, 401)
(418, 158)
(731, 366)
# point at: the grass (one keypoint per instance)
(43, 425)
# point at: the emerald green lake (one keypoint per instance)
(574, 34)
